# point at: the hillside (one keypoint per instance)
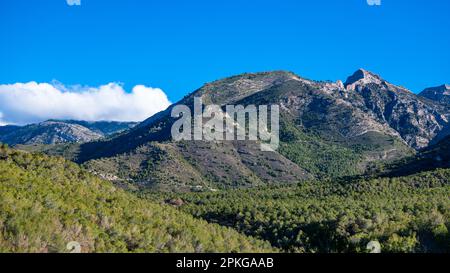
(47, 202)
(405, 214)
(433, 157)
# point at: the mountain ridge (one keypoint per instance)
(60, 131)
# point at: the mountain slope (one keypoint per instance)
(433, 157)
(49, 132)
(198, 166)
(47, 202)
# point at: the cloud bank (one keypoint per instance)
(24, 103)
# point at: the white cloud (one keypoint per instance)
(24, 103)
(73, 2)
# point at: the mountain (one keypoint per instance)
(47, 202)
(327, 129)
(8, 129)
(439, 94)
(146, 155)
(60, 131)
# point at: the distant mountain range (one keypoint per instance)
(61, 131)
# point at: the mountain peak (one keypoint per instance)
(361, 77)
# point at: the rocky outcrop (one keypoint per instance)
(362, 77)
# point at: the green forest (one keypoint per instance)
(47, 202)
(407, 214)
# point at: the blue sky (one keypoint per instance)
(179, 45)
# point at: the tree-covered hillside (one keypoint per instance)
(406, 214)
(47, 202)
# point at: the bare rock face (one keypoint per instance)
(416, 120)
(362, 77)
(340, 85)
